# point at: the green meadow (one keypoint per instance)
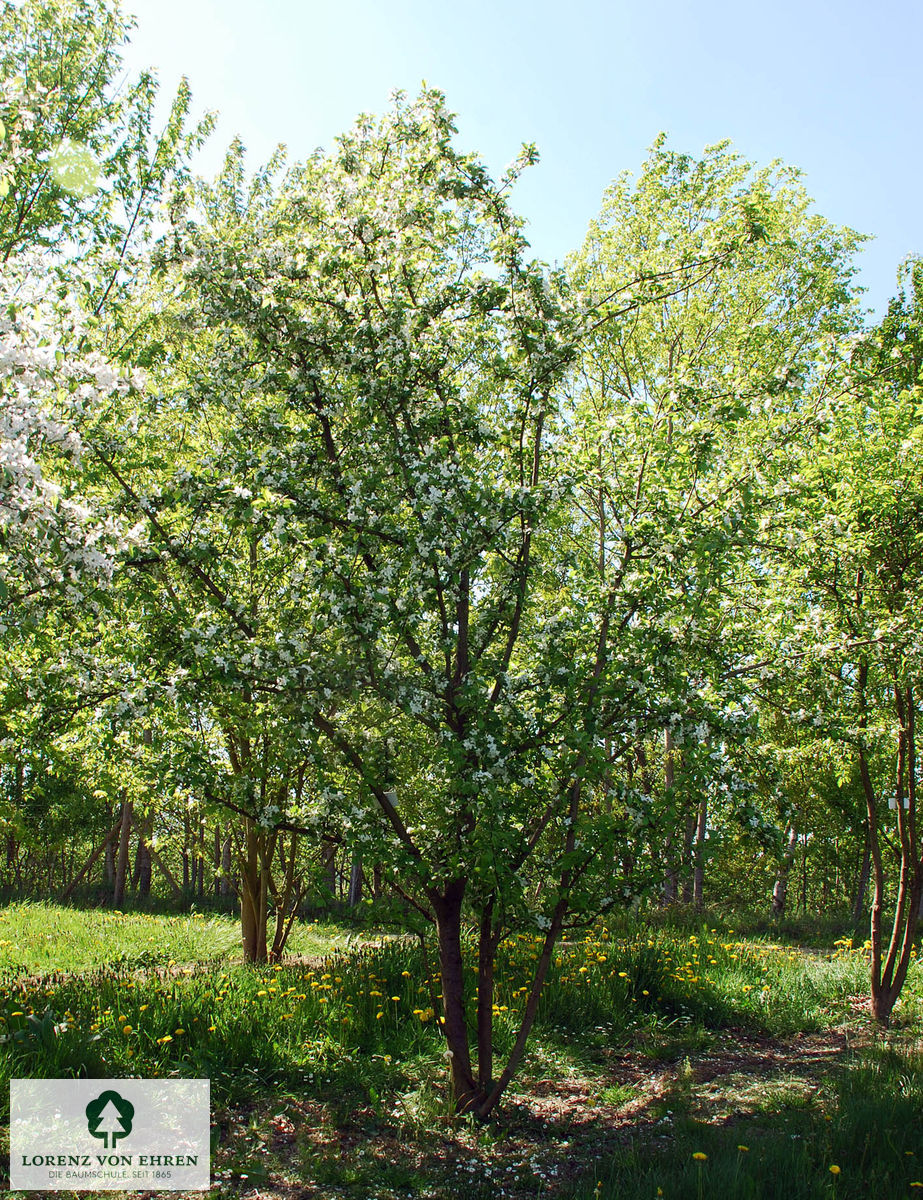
(667, 1061)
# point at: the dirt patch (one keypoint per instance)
(549, 1133)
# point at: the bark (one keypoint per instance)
(670, 878)
(121, 871)
(780, 889)
(887, 978)
(487, 953)
(698, 879)
(329, 867)
(144, 872)
(109, 862)
(164, 870)
(355, 883)
(185, 855)
(448, 906)
(225, 884)
(686, 870)
(88, 865)
(862, 886)
(287, 900)
(202, 857)
(254, 894)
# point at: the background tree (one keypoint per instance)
(847, 614)
(684, 409)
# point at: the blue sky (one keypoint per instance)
(832, 88)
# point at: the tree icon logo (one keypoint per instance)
(109, 1117)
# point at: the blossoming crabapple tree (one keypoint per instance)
(376, 558)
(82, 171)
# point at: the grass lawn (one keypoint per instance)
(664, 1062)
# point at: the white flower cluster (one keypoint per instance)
(50, 537)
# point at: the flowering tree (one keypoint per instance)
(366, 543)
(48, 537)
(80, 175)
(848, 633)
(685, 412)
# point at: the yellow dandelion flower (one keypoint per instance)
(126, 1030)
(699, 1156)
(833, 1169)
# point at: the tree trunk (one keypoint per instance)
(865, 871)
(225, 886)
(186, 850)
(144, 874)
(687, 868)
(698, 879)
(670, 878)
(121, 871)
(165, 871)
(355, 883)
(287, 900)
(447, 907)
(487, 948)
(254, 894)
(88, 865)
(329, 867)
(780, 889)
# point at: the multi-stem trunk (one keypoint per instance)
(889, 970)
(254, 893)
(447, 905)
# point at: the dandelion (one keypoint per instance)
(179, 1032)
(834, 1169)
(700, 1157)
(127, 1030)
(745, 1149)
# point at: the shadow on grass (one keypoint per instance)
(858, 1136)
